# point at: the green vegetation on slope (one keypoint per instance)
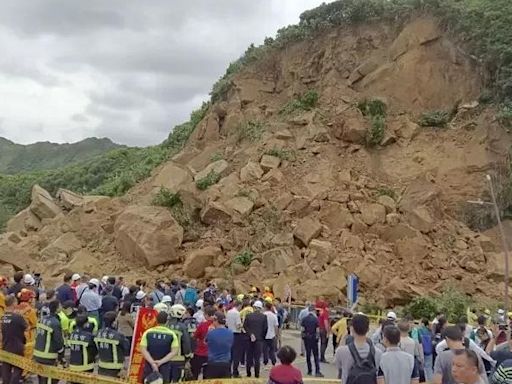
(482, 25)
(110, 174)
(15, 158)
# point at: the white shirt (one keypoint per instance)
(199, 316)
(472, 345)
(233, 320)
(272, 324)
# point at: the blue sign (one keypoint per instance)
(352, 288)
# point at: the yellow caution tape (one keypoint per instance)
(88, 378)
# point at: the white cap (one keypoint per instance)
(501, 311)
(391, 315)
(95, 282)
(200, 303)
(104, 279)
(140, 295)
(161, 307)
(28, 279)
(166, 299)
(76, 277)
(258, 304)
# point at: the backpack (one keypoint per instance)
(190, 297)
(209, 296)
(363, 371)
(426, 343)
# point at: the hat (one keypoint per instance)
(391, 315)
(75, 277)
(254, 289)
(200, 303)
(240, 297)
(258, 304)
(267, 289)
(161, 307)
(28, 279)
(501, 311)
(94, 282)
(220, 317)
(104, 279)
(140, 295)
(166, 299)
(268, 299)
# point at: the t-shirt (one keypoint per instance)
(272, 323)
(323, 318)
(443, 366)
(199, 336)
(199, 316)
(344, 360)
(219, 341)
(285, 374)
(108, 303)
(503, 372)
(65, 293)
(397, 367)
(310, 326)
(233, 320)
(410, 346)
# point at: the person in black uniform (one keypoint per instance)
(310, 335)
(49, 343)
(83, 350)
(13, 340)
(112, 346)
(159, 345)
(256, 326)
(176, 324)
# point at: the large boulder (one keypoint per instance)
(335, 216)
(421, 219)
(69, 199)
(307, 229)
(329, 284)
(172, 177)
(42, 204)
(279, 259)
(197, 261)
(62, 248)
(24, 221)
(251, 172)
(148, 234)
(269, 162)
(241, 205)
(373, 213)
(354, 130)
(219, 167)
(15, 256)
(215, 213)
(412, 249)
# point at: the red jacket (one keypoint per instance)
(200, 336)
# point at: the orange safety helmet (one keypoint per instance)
(3, 281)
(26, 295)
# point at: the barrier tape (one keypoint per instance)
(88, 378)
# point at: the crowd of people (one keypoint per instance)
(87, 325)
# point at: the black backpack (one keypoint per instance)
(363, 371)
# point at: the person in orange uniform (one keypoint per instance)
(268, 294)
(26, 309)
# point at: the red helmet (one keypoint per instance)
(3, 281)
(26, 295)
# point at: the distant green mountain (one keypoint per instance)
(15, 158)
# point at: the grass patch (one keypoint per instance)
(207, 181)
(505, 115)
(434, 119)
(283, 154)
(251, 130)
(376, 132)
(372, 107)
(217, 156)
(305, 102)
(181, 215)
(244, 258)
(166, 198)
(386, 191)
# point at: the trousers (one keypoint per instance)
(11, 374)
(218, 370)
(254, 357)
(240, 343)
(324, 340)
(269, 351)
(196, 365)
(311, 346)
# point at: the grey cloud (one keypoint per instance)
(79, 118)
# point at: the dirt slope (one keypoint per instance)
(324, 205)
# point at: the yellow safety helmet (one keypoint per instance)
(268, 300)
(267, 289)
(240, 297)
(487, 312)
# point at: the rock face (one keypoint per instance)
(43, 205)
(270, 162)
(220, 167)
(278, 259)
(171, 176)
(251, 172)
(241, 205)
(148, 235)
(24, 221)
(421, 219)
(62, 248)
(214, 213)
(69, 199)
(197, 261)
(373, 214)
(307, 229)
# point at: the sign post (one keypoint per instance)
(352, 289)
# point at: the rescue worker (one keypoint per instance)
(176, 324)
(191, 324)
(159, 345)
(112, 346)
(267, 294)
(26, 309)
(66, 314)
(82, 348)
(49, 344)
(92, 322)
(13, 340)
(3, 292)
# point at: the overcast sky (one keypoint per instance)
(127, 70)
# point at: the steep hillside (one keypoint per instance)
(15, 158)
(354, 150)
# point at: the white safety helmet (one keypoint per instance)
(160, 307)
(95, 282)
(178, 311)
(200, 303)
(167, 299)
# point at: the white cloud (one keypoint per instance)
(128, 70)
